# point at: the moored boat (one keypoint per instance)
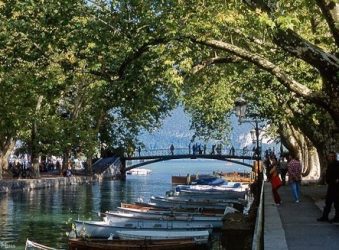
(243, 177)
(177, 221)
(190, 203)
(117, 244)
(229, 191)
(154, 206)
(167, 212)
(209, 180)
(139, 171)
(31, 245)
(104, 229)
(197, 236)
(186, 180)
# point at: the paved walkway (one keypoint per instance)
(293, 225)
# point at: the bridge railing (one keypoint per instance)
(188, 151)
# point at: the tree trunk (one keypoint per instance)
(65, 161)
(34, 152)
(302, 147)
(89, 170)
(34, 142)
(6, 149)
(1, 161)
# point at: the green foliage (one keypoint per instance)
(107, 70)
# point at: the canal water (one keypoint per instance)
(46, 215)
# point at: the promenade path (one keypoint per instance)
(293, 225)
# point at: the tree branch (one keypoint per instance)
(330, 10)
(216, 60)
(291, 42)
(327, 64)
(137, 53)
(263, 44)
(264, 64)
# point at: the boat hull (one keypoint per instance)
(105, 229)
(147, 220)
(188, 203)
(197, 236)
(160, 213)
(87, 244)
(193, 209)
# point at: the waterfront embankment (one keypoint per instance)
(13, 185)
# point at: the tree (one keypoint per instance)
(293, 55)
(70, 72)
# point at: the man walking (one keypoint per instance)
(332, 179)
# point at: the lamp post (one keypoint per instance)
(240, 110)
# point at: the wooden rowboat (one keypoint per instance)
(104, 229)
(167, 212)
(175, 221)
(31, 245)
(189, 203)
(198, 236)
(97, 244)
(153, 206)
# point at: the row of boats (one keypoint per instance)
(182, 219)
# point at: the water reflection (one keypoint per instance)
(46, 215)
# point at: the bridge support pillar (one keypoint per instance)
(123, 169)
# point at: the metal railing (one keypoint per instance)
(257, 241)
(186, 151)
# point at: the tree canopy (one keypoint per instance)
(78, 72)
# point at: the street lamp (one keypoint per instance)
(240, 110)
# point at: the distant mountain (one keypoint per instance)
(176, 131)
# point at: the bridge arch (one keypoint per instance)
(153, 159)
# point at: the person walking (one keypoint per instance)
(172, 149)
(332, 180)
(275, 180)
(283, 169)
(294, 176)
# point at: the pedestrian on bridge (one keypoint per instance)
(172, 149)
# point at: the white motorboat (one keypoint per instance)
(139, 171)
(228, 191)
